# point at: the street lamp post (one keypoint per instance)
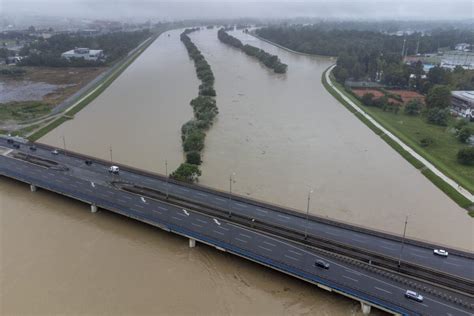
(64, 144)
(230, 192)
(166, 173)
(307, 215)
(110, 149)
(403, 242)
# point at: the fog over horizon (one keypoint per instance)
(195, 9)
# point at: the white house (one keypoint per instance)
(86, 53)
(462, 47)
(463, 103)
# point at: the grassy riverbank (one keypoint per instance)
(95, 91)
(411, 130)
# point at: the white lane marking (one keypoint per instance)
(295, 252)
(383, 290)
(220, 199)
(217, 222)
(331, 233)
(283, 216)
(127, 197)
(389, 248)
(197, 225)
(121, 201)
(177, 218)
(201, 221)
(269, 243)
(51, 174)
(60, 181)
(424, 304)
(93, 184)
(202, 194)
(185, 212)
(387, 242)
(453, 264)
(88, 190)
(163, 208)
(353, 272)
(218, 232)
(352, 279)
(261, 210)
(157, 212)
(265, 248)
(243, 235)
(73, 186)
(241, 240)
(223, 228)
(417, 255)
(143, 199)
(242, 205)
(139, 206)
(183, 189)
(292, 258)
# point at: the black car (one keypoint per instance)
(321, 264)
(16, 146)
(88, 162)
(33, 148)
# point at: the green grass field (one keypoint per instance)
(24, 110)
(411, 130)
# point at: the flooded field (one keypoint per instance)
(25, 91)
(280, 134)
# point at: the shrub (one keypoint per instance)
(464, 134)
(466, 156)
(438, 116)
(427, 141)
(193, 157)
(413, 107)
(368, 99)
(186, 172)
(194, 141)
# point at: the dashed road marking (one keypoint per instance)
(265, 248)
(383, 290)
(163, 208)
(292, 258)
(352, 279)
(197, 225)
(269, 243)
(241, 240)
(242, 205)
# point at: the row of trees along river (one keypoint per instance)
(269, 60)
(205, 110)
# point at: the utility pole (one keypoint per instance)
(166, 173)
(230, 192)
(403, 242)
(307, 215)
(110, 149)
(64, 145)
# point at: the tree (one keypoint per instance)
(466, 156)
(193, 157)
(438, 97)
(368, 99)
(464, 134)
(413, 107)
(186, 172)
(439, 76)
(438, 116)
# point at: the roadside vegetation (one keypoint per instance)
(193, 132)
(47, 52)
(269, 60)
(25, 110)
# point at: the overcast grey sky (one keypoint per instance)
(359, 9)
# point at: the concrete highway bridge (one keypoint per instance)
(372, 267)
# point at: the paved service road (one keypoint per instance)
(91, 184)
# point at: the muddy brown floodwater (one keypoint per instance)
(279, 134)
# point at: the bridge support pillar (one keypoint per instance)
(93, 208)
(192, 243)
(33, 188)
(365, 308)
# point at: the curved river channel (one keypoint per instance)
(281, 135)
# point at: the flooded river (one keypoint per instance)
(280, 134)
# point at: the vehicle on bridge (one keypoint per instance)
(114, 170)
(414, 296)
(440, 252)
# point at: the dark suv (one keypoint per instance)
(321, 264)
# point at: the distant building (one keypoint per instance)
(464, 47)
(463, 103)
(86, 53)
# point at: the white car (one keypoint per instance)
(114, 169)
(414, 296)
(440, 252)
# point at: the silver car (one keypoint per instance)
(413, 296)
(440, 252)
